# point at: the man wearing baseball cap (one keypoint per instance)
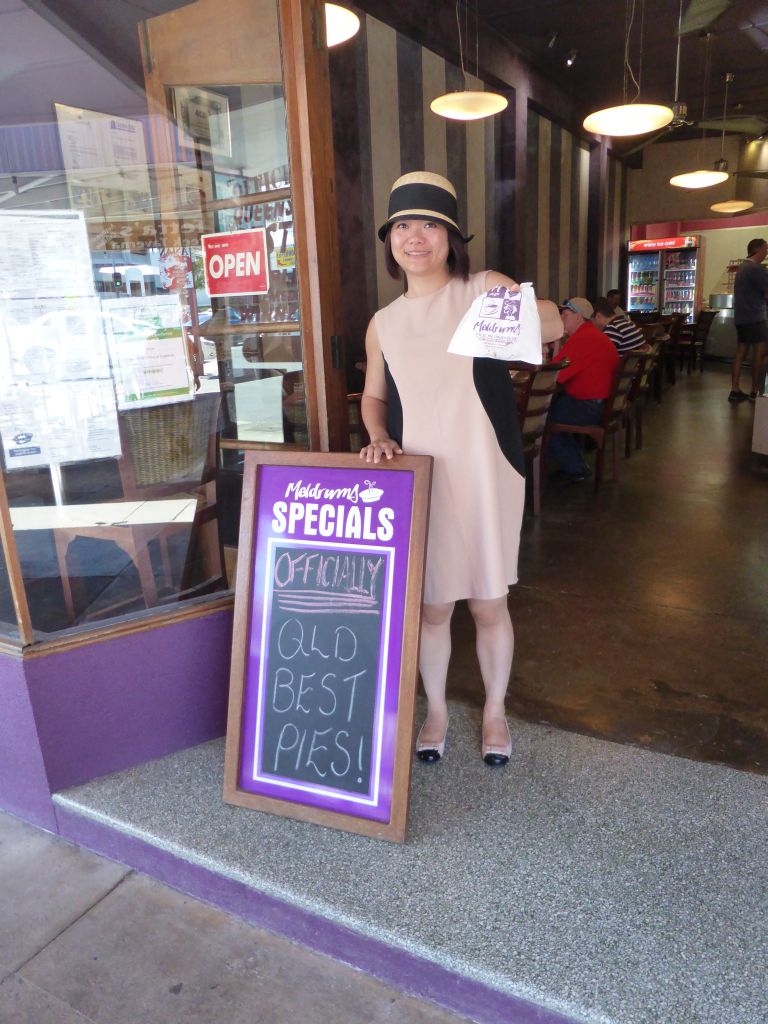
(586, 383)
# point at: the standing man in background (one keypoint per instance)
(750, 290)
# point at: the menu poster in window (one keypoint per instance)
(149, 355)
(44, 255)
(325, 649)
(105, 160)
(50, 340)
(50, 424)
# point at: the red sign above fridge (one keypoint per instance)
(654, 244)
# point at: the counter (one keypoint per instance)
(721, 340)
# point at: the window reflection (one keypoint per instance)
(8, 623)
(121, 376)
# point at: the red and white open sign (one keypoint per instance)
(236, 262)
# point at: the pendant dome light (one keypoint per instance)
(699, 179)
(340, 24)
(732, 206)
(630, 117)
(468, 104)
(719, 173)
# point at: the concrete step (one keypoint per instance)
(587, 881)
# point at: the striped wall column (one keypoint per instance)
(555, 224)
(526, 185)
(384, 122)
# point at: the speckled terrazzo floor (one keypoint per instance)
(609, 883)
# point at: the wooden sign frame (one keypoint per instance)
(327, 510)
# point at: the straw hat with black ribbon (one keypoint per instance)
(551, 325)
(422, 195)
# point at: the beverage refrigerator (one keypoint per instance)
(664, 276)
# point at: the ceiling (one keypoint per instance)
(726, 35)
(549, 30)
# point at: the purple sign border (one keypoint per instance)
(398, 491)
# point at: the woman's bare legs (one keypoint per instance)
(495, 645)
(434, 656)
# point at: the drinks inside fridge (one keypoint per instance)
(679, 283)
(664, 276)
(643, 290)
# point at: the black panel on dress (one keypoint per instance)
(497, 393)
(394, 408)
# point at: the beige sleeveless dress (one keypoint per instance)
(477, 496)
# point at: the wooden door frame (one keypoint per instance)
(306, 85)
(310, 147)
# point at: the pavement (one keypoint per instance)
(83, 939)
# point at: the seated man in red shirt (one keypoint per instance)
(586, 383)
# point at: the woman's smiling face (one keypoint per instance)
(419, 246)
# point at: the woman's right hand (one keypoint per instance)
(382, 447)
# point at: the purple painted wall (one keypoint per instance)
(73, 715)
(24, 787)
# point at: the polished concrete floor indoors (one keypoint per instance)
(641, 614)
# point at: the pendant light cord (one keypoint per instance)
(707, 70)
(677, 61)
(728, 80)
(477, 40)
(461, 47)
(628, 72)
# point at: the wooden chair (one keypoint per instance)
(692, 339)
(671, 354)
(643, 384)
(358, 435)
(614, 415)
(657, 334)
(643, 318)
(168, 451)
(535, 387)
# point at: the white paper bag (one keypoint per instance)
(501, 324)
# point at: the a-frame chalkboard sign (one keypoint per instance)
(326, 637)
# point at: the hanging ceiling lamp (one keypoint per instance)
(468, 104)
(630, 118)
(719, 173)
(340, 24)
(732, 206)
(699, 179)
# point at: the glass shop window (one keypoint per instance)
(149, 320)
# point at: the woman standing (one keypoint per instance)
(420, 399)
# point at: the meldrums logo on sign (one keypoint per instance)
(236, 262)
(315, 509)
